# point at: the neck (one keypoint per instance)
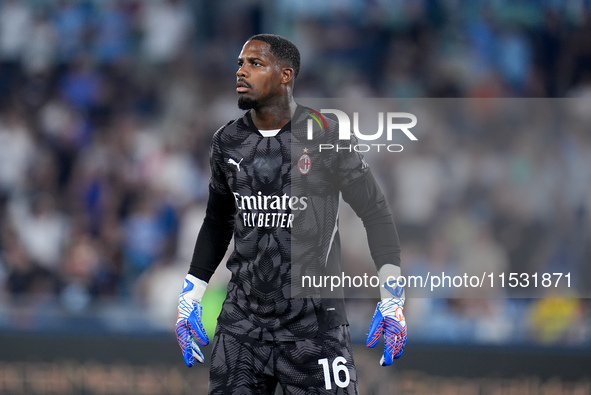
(275, 116)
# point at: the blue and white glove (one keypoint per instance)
(189, 329)
(388, 318)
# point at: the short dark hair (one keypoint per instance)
(283, 49)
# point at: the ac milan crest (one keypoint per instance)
(304, 163)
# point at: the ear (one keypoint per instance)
(286, 75)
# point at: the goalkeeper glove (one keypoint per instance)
(388, 317)
(189, 329)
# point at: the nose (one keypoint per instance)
(241, 72)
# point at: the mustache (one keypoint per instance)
(241, 82)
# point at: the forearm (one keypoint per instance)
(369, 203)
(214, 236)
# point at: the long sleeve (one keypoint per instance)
(218, 226)
(214, 236)
(367, 200)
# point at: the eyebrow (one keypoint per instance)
(251, 59)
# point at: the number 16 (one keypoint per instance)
(337, 367)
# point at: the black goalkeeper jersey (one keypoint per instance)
(279, 196)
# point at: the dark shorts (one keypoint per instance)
(320, 365)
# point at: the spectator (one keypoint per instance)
(18, 148)
(144, 240)
(43, 230)
(113, 32)
(166, 26)
(15, 25)
(70, 22)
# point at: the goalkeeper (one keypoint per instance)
(278, 196)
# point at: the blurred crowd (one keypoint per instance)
(107, 109)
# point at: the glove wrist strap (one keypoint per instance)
(194, 288)
(390, 287)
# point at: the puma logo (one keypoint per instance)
(237, 164)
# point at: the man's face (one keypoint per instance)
(258, 76)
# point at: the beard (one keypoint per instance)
(246, 103)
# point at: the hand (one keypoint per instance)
(189, 329)
(389, 320)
